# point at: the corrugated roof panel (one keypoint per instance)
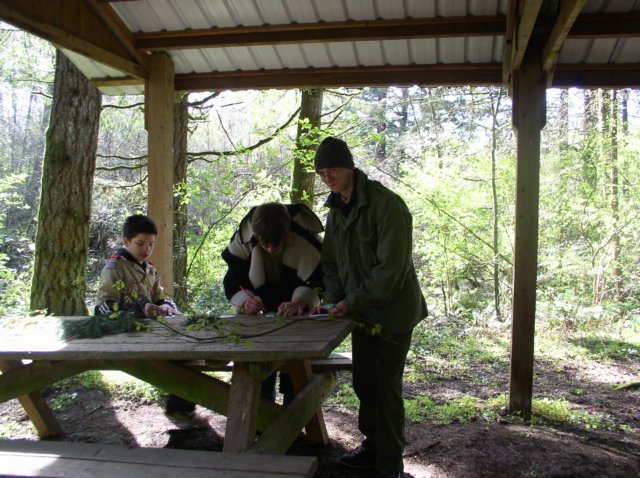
(369, 53)
(360, 10)
(219, 59)
(182, 63)
(423, 51)
(395, 52)
(240, 58)
(198, 62)
(483, 7)
(265, 57)
(301, 11)
(451, 50)
(216, 14)
(143, 15)
(629, 51)
(421, 8)
(343, 54)
(331, 10)
(601, 51)
(386, 9)
(244, 12)
(574, 51)
(171, 16)
(452, 8)
(192, 14)
(608, 6)
(273, 13)
(291, 56)
(317, 55)
(498, 49)
(479, 50)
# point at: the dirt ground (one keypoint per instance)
(501, 448)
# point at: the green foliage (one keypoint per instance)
(457, 410)
(345, 397)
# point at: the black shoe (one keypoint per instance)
(359, 458)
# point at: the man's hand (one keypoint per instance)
(291, 309)
(339, 309)
(254, 305)
(152, 310)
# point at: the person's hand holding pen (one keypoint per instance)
(254, 304)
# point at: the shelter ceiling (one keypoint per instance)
(256, 44)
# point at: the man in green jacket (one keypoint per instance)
(369, 274)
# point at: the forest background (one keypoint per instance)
(449, 152)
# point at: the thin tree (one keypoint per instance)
(58, 284)
(180, 136)
(495, 97)
(303, 176)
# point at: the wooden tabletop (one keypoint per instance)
(237, 338)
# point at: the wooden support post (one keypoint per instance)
(35, 406)
(529, 97)
(244, 398)
(301, 375)
(159, 96)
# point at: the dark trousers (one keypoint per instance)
(378, 366)
(268, 388)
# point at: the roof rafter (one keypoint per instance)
(322, 32)
(355, 77)
(73, 25)
(569, 11)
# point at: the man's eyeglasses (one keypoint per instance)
(329, 173)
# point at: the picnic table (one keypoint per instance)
(35, 356)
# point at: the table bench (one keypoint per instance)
(82, 460)
(335, 362)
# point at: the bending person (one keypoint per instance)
(273, 263)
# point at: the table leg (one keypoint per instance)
(301, 375)
(242, 416)
(36, 407)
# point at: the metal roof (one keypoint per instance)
(238, 44)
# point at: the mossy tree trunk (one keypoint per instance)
(180, 135)
(307, 138)
(58, 284)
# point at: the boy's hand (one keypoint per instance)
(254, 305)
(291, 309)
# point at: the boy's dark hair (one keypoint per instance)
(271, 223)
(138, 224)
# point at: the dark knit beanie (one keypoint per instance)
(333, 153)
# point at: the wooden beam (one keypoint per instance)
(73, 25)
(569, 10)
(159, 121)
(609, 25)
(352, 77)
(584, 75)
(529, 89)
(507, 54)
(120, 30)
(323, 32)
(527, 16)
(116, 82)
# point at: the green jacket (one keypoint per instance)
(366, 258)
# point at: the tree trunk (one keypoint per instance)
(495, 108)
(303, 176)
(180, 135)
(614, 199)
(58, 285)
